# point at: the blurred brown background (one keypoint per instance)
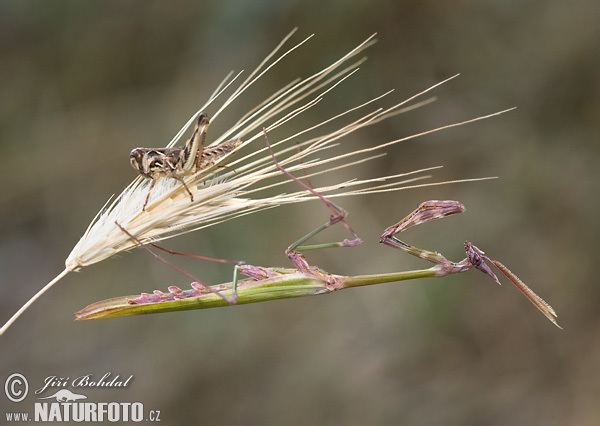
(81, 83)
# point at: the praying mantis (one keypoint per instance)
(425, 212)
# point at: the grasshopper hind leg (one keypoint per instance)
(195, 145)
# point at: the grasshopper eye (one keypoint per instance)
(133, 162)
(135, 158)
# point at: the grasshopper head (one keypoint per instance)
(135, 158)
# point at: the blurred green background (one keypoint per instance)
(81, 83)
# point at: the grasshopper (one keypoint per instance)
(177, 163)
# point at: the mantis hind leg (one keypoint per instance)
(237, 264)
(205, 287)
(338, 215)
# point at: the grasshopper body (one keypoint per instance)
(176, 163)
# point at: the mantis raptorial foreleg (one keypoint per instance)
(426, 211)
